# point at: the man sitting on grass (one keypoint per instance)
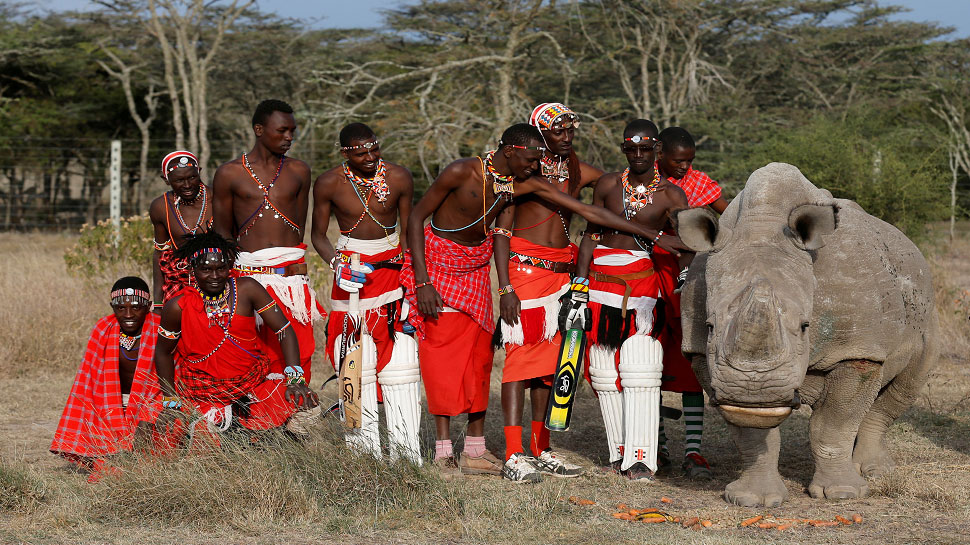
(116, 390)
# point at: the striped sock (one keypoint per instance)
(693, 421)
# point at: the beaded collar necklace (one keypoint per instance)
(635, 198)
(267, 204)
(127, 341)
(217, 307)
(555, 170)
(501, 183)
(377, 184)
(178, 214)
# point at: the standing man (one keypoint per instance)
(185, 210)
(537, 261)
(675, 162)
(625, 362)
(371, 199)
(261, 201)
(446, 280)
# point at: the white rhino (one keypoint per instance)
(797, 297)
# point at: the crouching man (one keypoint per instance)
(209, 332)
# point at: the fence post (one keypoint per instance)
(115, 185)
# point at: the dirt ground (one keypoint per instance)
(926, 499)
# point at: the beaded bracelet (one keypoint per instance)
(171, 403)
(505, 290)
(502, 232)
(156, 304)
(595, 237)
(423, 284)
(282, 331)
(294, 375)
(170, 335)
(659, 234)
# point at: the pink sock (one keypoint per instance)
(475, 446)
(442, 449)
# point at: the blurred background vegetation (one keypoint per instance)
(871, 108)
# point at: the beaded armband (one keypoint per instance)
(501, 232)
(167, 245)
(282, 331)
(171, 403)
(171, 335)
(505, 290)
(294, 375)
(268, 306)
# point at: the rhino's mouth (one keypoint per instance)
(754, 417)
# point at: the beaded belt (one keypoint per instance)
(295, 269)
(554, 266)
(396, 262)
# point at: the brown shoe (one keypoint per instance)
(486, 464)
(447, 467)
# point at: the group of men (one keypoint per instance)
(228, 332)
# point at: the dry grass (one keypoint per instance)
(320, 492)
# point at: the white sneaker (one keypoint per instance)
(519, 469)
(550, 462)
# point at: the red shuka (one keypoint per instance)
(94, 423)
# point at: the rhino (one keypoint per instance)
(796, 297)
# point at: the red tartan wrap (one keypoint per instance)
(610, 329)
(238, 369)
(532, 345)
(383, 287)
(176, 274)
(701, 190)
(456, 364)
(459, 273)
(294, 297)
(94, 423)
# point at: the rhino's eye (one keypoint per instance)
(710, 329)
(804, 327)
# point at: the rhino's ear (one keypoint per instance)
(810, 224)
(697, 228)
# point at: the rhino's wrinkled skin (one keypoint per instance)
(796, 297)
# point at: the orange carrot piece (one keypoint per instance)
(843, 520)
(857, 518)
(665, 499)
(634, 512)
(623, 507)
(690, 522)
(767, 525)
(783, 527)
(750, 521)
(824, 523)
(706, 523)
(586, 502)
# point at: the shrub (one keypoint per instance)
(96, 251)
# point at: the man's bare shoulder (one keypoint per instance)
(397, 172)
(299, 166)
(330, 177)
(462, 169)
(674, 191)
(156, 210)
(230, 169)
(590, 174)
(608, 181)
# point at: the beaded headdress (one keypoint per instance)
(130, 295)
(636, 139)
(185, 159)
(201, 253)
(366, 145)
(553, 115)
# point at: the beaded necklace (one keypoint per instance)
(501, 183)
(127, 341)
(267, 204)
(217, 306)
(378, 184)
(198, 222)
(231, 289)
(635, 198)
(498, 197)
(558, 170)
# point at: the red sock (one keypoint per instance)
(513, 440)
(540, 438)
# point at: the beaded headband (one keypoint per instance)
(536, 148)
(120, 295)
(202, 252)
(365, 145)
(636, 139)
(553, 115)
(185, 159)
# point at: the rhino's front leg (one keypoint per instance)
(760, 483)
(850, 389)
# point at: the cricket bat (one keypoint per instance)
(351, 353)
(566, 379)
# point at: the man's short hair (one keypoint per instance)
(266, 108)
(676, 137)
(640, 126)
(355, 131)
(521, 134)
(130, 282)
(207, 239)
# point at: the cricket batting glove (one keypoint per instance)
(351, 279)
(572, 306)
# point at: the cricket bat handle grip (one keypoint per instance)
(354, 304)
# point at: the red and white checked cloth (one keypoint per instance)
(701, 190)
(459, 273)
(94, 423)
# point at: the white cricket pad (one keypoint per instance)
(400, 382)
(603, 375)
(367, 438)
(641, 368)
